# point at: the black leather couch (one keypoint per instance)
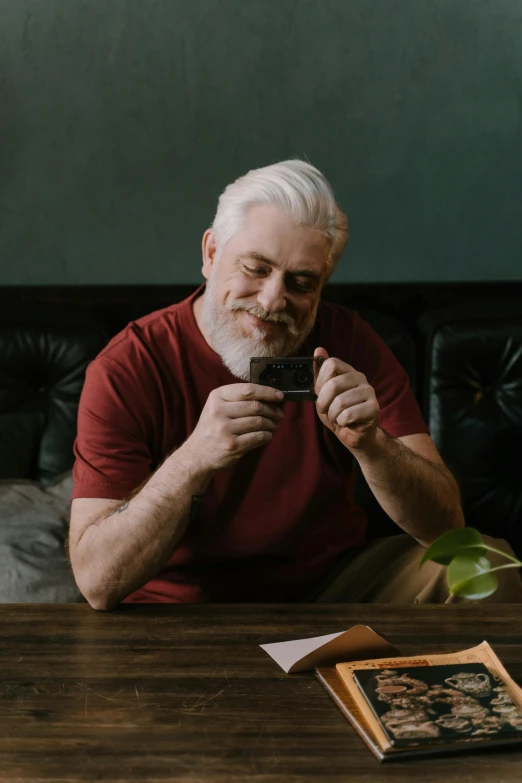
(472, 401)
(464, 362)
(44, 353)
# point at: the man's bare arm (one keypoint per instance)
(116, 547)
(408, 478)
(412, 484)
(115, 552)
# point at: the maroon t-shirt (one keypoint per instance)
(271, 525)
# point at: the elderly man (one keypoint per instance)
(193, 484)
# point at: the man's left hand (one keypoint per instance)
(346, 403)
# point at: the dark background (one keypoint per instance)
(122, 121)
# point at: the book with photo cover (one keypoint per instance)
(438, 704)
(404, 707)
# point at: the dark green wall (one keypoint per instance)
(122, 120)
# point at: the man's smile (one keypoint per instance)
(260, 323)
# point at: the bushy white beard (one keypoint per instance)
(235, 349)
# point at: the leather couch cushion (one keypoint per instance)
(20, 435)
(474, 404)
(43, 357)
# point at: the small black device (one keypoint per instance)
(293, 375)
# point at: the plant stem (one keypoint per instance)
(500, 552)
(501, 568)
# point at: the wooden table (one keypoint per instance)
(184, 693)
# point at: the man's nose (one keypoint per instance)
(272, 295)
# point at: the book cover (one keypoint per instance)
(439, 704)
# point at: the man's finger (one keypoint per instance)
(239, 409)
(250, 391)
(321, 353)
(329, 369)
(356, 416)
(334, 386)
(347, 399)
(253, 424)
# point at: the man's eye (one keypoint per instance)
(305, 287)
(302, 286)
(257, 271)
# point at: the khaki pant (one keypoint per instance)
(386, 570)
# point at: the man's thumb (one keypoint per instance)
(321, 352)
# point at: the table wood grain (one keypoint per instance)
(184, 693)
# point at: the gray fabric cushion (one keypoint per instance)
(34, 521)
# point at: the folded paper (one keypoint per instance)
(355, 644)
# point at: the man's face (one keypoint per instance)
(263, 291)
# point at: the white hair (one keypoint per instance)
(295, 187)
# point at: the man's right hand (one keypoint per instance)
(236, 419)
(113, 556)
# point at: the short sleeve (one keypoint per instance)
(400, 414)
(112, 457)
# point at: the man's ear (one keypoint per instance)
(209, 248)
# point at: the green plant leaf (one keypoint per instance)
(464, 540)
(470, 576)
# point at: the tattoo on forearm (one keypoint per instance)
(195, 503)
(117, 510)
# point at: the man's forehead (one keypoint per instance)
(280, 241)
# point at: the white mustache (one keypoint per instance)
(259, 312)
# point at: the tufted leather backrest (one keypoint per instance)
(473, 405)
(43, 358)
